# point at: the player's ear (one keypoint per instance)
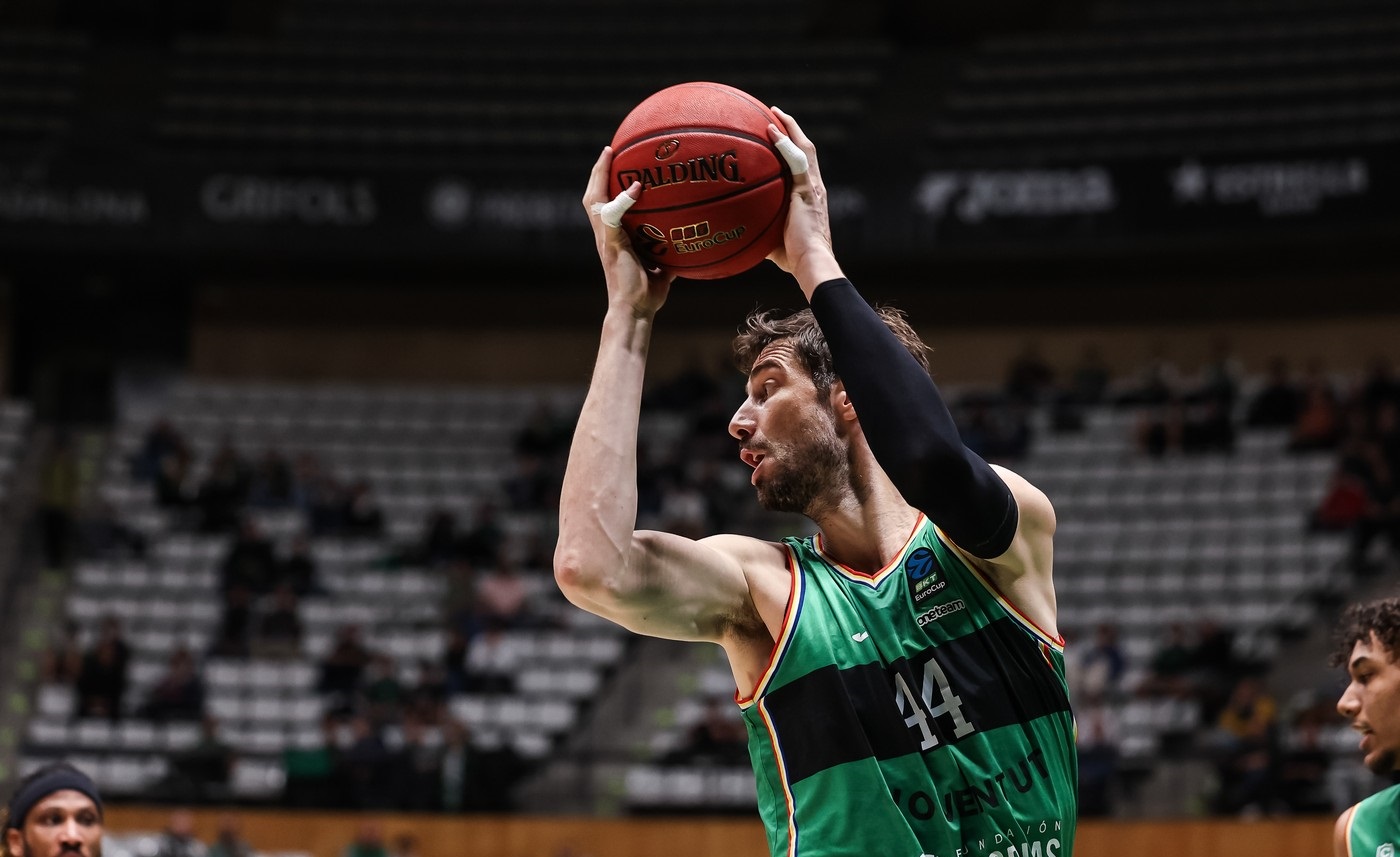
(841, 403)
(14, 839)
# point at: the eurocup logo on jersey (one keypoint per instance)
(923, 574)
(1386, 850)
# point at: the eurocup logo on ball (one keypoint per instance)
(714, 190)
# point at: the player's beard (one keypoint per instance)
(808, 472)
(1385, 763)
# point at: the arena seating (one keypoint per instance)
(422, 450)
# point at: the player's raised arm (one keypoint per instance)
(987, 511)
(653, 583)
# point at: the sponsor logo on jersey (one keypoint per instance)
(940, 611)
(922, 570)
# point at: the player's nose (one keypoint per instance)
(1350, 703)
(741, 425)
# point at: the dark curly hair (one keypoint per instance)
(1360, 621)
(764, 327)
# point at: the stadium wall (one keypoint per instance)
(488, 335)
(326, 835)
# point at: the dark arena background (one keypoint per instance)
(298, 304)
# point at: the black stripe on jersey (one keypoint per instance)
(832, 716)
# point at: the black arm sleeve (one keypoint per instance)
(909, 428)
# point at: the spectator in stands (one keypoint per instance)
(1319, 422)
(229, 841)
(1158, 384)
(235, 624)
(250, 562)
(1244, 741)
(1304, 760)
(62, 661)
(313, 772)
(102, 680)
(343, 667)
(224, 491)
(1097, 743)
(1169, 670)
(272, 483)
(415, 770)
(427, 697)
(200, 773)
(482, 544)
(1345, 501)
(1029, 378)
(365, 764)
(545, 434)
(368, 842)
(171, 478)
(179, 693)
(1219, 380)
(454, 660)
(717, 737)
(532, 486)
(502, 596)
(160, 442)
(102, 534)
(279, 629)
(298, 569)
(460, 785)
(178, 839)
(438, 544)
(1102, 666)
(1087, 386)
(1278, 402)
(1215, 668)
(58, 500)
(381, 691)
(1380, 514)
(361, 516)
(1380, 386)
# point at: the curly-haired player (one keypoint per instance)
(1368, 646)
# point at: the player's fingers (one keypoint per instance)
(792, 129)
(611, 212)
(795, 157)
(598, 180)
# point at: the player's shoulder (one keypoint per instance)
(748, 551)
(1341, 847)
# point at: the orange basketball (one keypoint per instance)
(714, 189)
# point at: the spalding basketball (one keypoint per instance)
(714, 189)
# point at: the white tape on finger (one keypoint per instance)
(795, 157)
(611, 212)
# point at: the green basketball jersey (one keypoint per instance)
(911, 713)
(1374, 827)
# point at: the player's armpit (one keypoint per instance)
(669, 586)
(1031, 549)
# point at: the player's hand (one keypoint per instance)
(806, 251)
(630, 283)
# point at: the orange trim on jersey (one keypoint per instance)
(878, 576)
(783, 778)
(784, 635)
(1351, 819)
(1057, 642)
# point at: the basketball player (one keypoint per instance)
(54, 811)
(1369, 648)
(899, 672)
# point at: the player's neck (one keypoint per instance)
(867, 532)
